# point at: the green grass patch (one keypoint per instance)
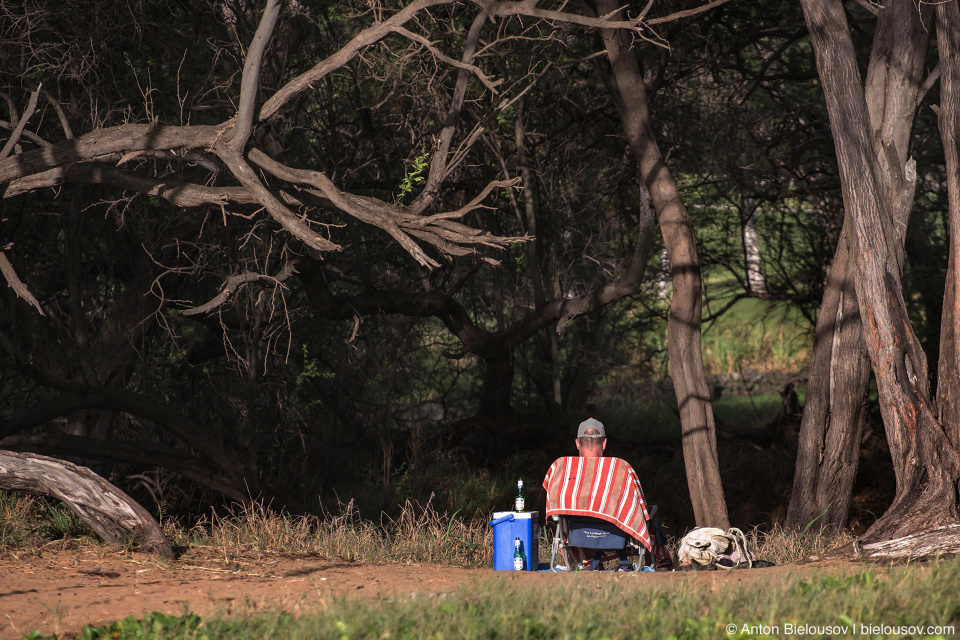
(748, 412)
(924, 600)
(755, 333)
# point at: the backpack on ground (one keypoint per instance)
(710, 547)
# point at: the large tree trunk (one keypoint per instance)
(832, 424)
(948, 378)
(831, 428)
(925, 460)
(683, 327)
(105, 508)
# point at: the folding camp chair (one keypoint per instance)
(581, 539)
(601, 514)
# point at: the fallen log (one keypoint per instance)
(106, 509)
(941, 542)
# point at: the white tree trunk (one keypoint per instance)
(756, 283)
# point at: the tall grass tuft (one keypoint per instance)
(783, 546)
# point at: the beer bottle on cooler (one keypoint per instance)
(517, 556)
(520, 501)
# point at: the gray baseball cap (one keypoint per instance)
(591, 423)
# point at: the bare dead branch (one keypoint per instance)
(869, 6)
(64, 121)
(392, 218)
(12, 106)
(250, 84)
(26, 135)
(14, 282)
(470, 206)
(18, 131)
(688, 13)
(928, 84)
(182, 194)
(103, 142)
(277, 210)
(526, 8)
(236, 282)
(365, 38)
(463, 66)
(438, 163)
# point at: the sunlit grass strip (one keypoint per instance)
(865, 603)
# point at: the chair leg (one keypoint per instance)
(558, 546)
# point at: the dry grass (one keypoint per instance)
(422, 535)
(28, 522)
(418, 535)
(783, 547)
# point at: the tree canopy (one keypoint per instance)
(242, 238)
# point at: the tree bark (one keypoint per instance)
(926, 462)
(828, 451)
(683, 327)
(105, 508)
(948, 378)
(832, 424)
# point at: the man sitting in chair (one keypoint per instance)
(598, 487)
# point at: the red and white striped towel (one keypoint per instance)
(605, 488)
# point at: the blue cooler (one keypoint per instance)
(507, 527)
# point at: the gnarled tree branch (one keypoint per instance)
(236, 282)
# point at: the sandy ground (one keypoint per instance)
(61, 590)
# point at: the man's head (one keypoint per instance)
(591, 438)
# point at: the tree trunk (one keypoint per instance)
(831, 428)
(832, 424)
(683, 327)
(756, 283)
(925, 460)
(105, 508)
(948, 378)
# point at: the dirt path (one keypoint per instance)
(60, 591)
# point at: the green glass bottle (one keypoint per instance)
(520, 501)
(517, 556)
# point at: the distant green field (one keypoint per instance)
(753, 333)
(658, 420)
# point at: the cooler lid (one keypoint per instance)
(516, 516)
